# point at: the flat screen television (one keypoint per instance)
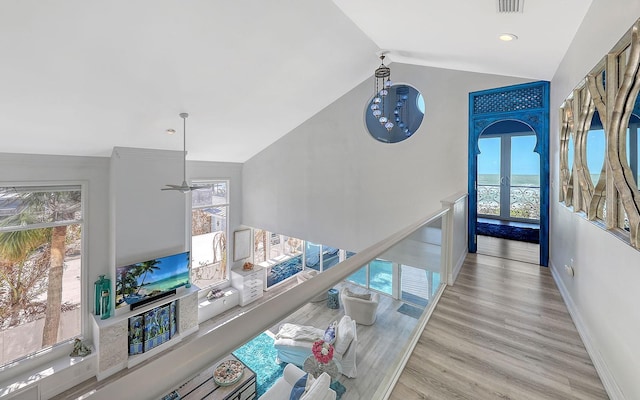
(147, 280)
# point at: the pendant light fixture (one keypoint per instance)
(184, 188)
(380, 107)
(395, 111)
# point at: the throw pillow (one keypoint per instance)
(319, 389)
(345, 335)
(330, 333)
(310, 380)
(298, 388)
(364, 296)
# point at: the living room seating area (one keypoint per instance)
(294, 343)
(283, 387)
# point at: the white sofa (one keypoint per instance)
(361, 310)
(281, 389)
(295, 348)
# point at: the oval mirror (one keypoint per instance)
(633, 147)
(397, 115)
(595, 148)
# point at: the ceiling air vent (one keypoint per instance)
(510, 6)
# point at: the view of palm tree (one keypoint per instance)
(40, 238)
(145, 268)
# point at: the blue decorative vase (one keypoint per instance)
(102, 305)
(333, 299)
(106, 302)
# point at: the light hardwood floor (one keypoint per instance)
(501, 332)
(509, 249)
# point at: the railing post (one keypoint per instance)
(456, 219)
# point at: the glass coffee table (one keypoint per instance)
(316, 368)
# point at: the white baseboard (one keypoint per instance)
(458, 266)
(607, 378)
(110, 371)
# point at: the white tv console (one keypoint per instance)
(111, 335)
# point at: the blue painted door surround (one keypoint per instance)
(527, 103)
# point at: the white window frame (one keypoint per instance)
(227, 278)
(61, 350)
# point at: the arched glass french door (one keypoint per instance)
(508, 178)
(498, 116)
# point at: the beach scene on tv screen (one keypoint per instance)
(150, 278)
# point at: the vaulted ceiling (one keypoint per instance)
(79, 77)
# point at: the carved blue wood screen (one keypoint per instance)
(527, 103)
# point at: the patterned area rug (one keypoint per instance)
(260, 355)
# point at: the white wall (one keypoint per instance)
(603, 294)
(147, 222)
(330, 182)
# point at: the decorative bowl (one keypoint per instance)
(228, 372)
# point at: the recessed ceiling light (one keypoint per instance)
(170, 131)
(507, 37)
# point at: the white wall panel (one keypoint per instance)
(602, 295)
(330, 182)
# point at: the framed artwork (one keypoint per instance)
(241, 244)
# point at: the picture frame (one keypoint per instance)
(241, 244)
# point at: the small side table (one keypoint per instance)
(333, 299)
(316, 368)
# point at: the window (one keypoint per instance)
(278, 246)
(312, 256)
(260, 245)
(377, 275)
(209, 213)
(40, 268)
(330, 257)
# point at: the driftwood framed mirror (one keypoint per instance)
(601, 118)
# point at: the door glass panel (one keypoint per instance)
(489, 176)
(415, 285)
(330, 257)
(524, 191)
(359, 277)
(381, 276)
(312, 255)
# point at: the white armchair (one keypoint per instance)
(281, 389)
(361, 310)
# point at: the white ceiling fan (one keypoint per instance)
(184, 188)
